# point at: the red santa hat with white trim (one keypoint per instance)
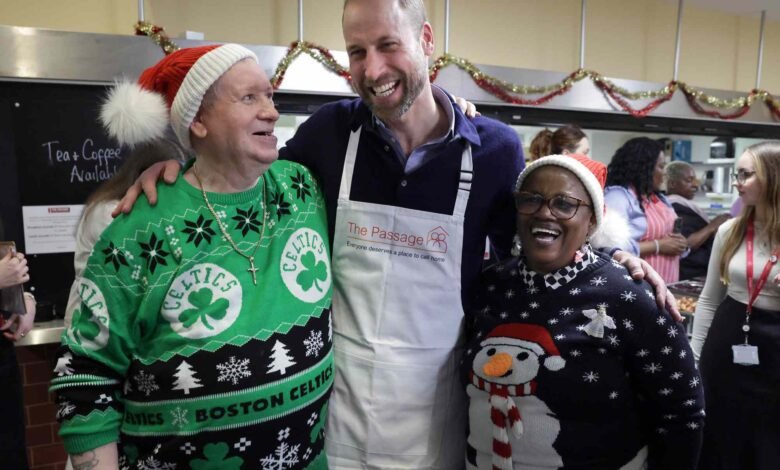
(532, 337)
(168, 93)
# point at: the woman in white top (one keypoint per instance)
(737, 324)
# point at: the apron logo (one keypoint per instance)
(437, 239)
(203, 301)
(305, 266)
(89, 328)
(434, 242)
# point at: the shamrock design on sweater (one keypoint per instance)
(175, 353)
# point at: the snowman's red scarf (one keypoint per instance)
(528, 388)
(502, 411)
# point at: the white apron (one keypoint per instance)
(397, 315)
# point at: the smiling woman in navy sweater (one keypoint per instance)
(570, 362)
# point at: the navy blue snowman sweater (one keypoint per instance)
(586, 365)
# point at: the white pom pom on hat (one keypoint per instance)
(169, 92)
(133, 115)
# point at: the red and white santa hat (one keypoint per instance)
(532, 337)
(592, 174)
(169, 92)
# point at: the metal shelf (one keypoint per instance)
(46, 332)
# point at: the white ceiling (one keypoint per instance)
(740, 7)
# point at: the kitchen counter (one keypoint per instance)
(687, 293)
(46, 332)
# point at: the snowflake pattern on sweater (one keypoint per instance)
(611, 374)
(175, 353)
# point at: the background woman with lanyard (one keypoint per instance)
(737, 324)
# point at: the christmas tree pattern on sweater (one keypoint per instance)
(179, 357)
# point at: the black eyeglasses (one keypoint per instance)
(561, 207)
(742, 175)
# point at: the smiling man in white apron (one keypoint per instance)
(412, 189)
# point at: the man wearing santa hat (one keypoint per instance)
(203, 337)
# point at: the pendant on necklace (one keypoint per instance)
(252, 269)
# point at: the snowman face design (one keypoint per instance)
(506, 364)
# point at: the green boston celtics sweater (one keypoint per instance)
(179, 357)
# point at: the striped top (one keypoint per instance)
(660, 223)
(647, 220)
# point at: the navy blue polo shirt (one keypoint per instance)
(320, 143)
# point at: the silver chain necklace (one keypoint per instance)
(250, 257)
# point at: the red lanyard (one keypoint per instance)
(753, 294)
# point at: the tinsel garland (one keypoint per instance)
(504, 91)
(512, 93)
(318, 53)
(157, 35)
(608, 87)
(773, 104)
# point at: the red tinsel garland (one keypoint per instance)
(318, 53)
(508, 92)
(691, 98)
(625, 106)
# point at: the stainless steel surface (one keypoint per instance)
(583, 12)
(141, 10)
(680, 5)
(31, 54)
(760, 50)
(300, 20)
(46, 332)
(446, 26)
(43, 55)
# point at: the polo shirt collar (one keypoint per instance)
(460, 125)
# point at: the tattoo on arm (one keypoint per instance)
(89, 464)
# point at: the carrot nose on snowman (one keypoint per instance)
(498, 365)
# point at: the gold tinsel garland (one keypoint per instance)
(513, 93)
(157, 35)
(320, 54)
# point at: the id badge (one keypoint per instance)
(745, 354)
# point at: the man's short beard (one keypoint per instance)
(396, 112)
(413, 87)
(405, 105)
